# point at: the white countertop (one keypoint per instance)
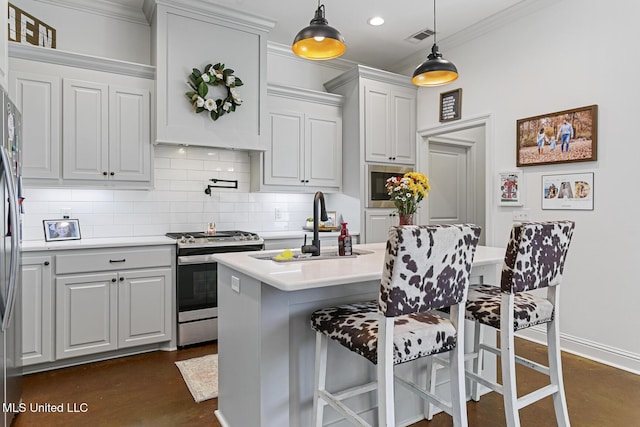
(300, 275)
(41, 245)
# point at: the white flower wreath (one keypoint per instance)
(214, 75)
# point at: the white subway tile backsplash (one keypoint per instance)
(176, 203)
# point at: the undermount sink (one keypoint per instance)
(298, 256)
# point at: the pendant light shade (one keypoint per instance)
(435, 71)
(319, 41)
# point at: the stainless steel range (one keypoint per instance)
(197, 279)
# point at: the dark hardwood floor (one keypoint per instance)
(148, 390)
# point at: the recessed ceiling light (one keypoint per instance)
(376, 20)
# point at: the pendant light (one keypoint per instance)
(319, 41)
(435, 71)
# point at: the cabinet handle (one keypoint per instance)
(113, 280)
(302, 180)
(104, 173)
(112, 173)
(46, 263)
(306, 180)
(122, 279)
(113, 261)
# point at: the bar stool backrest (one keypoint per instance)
(535, 255)
(426, 267)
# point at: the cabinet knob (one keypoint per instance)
(302, 180)
(113, 280)
(121, 279)
(306, 180)
(104, 173)
(46, 263)
(112, 173)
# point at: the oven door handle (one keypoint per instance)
(196, 259)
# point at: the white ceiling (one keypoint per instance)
(382, 47)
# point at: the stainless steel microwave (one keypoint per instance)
(377, 176)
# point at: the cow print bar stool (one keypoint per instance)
(534, 259)
(426, 268)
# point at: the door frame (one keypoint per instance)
(422, 159)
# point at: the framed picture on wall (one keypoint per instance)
(510, 188)
(568, 192)
(560, 137)
(61, 229)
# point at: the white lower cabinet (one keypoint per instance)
(111, 310)
(37, 310)
(377, 223)
(80, 303)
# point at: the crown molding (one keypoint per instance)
(61, 57)
(305, 94)
(216, 11)
(104, 8)
(487, 25)
(362, 71)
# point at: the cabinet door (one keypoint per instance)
(284, 161)
(144, 305)
(85, 130)
(37, 310)
(377, 223)
(86, 314)
(323, 151)
(377, 132)
(38, 98)
(403, 126)
(129, 144)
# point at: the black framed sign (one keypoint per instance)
(450, 105)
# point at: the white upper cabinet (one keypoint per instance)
(304, 151)
(390, 123)
(37, 96)
(85, 130)
(86, 123)
(106, 132)
(129, 127)
(190, 34)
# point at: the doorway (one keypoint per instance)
(454, 158)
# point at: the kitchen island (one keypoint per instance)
(266, 346)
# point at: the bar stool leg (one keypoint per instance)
(431, 371)
(555, 363)
(478, 360)
(508, 362)
(320, 378)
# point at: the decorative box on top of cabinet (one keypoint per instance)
(304, 150)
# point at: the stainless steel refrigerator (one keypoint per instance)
(10, 260)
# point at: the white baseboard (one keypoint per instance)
(597, 352)
(223, 422)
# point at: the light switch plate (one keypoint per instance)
(235, 284)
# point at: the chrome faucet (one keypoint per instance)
(314, 247)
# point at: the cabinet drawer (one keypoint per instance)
(116, 259)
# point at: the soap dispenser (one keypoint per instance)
(344, 241)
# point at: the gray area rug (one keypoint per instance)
(201, 376)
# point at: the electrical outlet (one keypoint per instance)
(235, 284)
(521, 215)
(65, 212)
(278, 214)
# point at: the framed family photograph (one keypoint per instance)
(568, 192)
(61, 229)
(510, 188)
(560, 137)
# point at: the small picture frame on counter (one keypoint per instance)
(61, 229)
(331, 222)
